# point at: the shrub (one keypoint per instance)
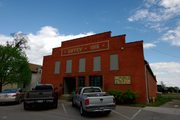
(129, 96)
(72, 93)
(117, 94)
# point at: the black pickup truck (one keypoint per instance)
(42, 94)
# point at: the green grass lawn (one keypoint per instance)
(159, 101)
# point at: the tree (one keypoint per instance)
(170, 89)
(161, 87)
(14, 67)
(20, 41)
(176, 89)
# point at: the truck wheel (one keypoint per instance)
(25, 106)
(107, 112)
(55, 104)
(82, 112)
(73, 105)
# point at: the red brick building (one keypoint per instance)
(100, 60)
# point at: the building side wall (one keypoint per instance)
(152, 86)
(35, 79)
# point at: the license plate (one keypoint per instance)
(40, 101)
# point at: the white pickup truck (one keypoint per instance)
(92, 99)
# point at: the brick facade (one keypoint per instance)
(130, 63)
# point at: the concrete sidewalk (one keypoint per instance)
(63, 101)
(174, 111)
(168, 108)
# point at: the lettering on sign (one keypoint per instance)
(74, 50)
(92, 47)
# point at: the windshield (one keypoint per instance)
(44, 87)
(10, 91)
(89, 90)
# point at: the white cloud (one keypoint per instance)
(168, 72)
(4, 38)
(148, 45)
(158, 27)
(166, 68)
(169, 81)
(172, 36)
(140, 14)
(169, 3)
(156, 11)
(152, 1)
(42, 43)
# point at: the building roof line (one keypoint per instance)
(149, 68)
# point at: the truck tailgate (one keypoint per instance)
(40, 94)
(100, 100)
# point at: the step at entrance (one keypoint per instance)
(65, 97)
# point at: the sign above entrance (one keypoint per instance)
(86, 48)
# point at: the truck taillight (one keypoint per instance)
(114, 100)
(27, 95)
(53, 94)
(14, 95)
(87, 102)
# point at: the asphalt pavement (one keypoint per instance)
(65, 111)
(172, 107)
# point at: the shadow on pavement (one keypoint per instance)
(8, 104)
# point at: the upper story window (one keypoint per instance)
(97, 63)
(82, 62)
(114, 62)
(57, 67)
(69, 66)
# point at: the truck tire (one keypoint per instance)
(55, 104)
(81, 110)
(73, 105)
(25, 106)
(107, 112)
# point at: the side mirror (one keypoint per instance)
(32, 89)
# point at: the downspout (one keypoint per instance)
(147, 85)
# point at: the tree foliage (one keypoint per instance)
(162, 87)
(14, 67)
(172, 89)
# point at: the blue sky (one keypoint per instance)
(49, 22)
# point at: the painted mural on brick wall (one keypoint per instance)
(122, 79)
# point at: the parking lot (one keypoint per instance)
(66, 112)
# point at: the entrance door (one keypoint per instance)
(69, 85)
